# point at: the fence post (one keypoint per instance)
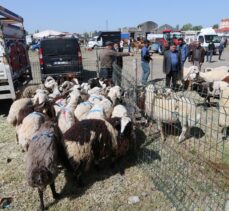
(151, 70)
(135, 68)
(97, 61)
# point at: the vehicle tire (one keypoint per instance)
(95, 46)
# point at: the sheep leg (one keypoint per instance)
(184, 134)
(40, 192)
(160, 127)
(17, 140)
(54, 193)
(224, 131)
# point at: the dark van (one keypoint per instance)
(60, 56)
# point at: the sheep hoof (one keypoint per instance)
(42, 208)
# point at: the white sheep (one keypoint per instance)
(115, 94)
(224, 112)
(15, 108)
(65, 115)
(82, 110)
(119, 111)
(96, 112)
(29, 126)
(94, 99)
(216, 74)
(95, 91)
(190, 73)
(171, 110)
(41, 96)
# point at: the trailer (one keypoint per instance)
(15, 69)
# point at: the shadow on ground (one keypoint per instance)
(5, 107)
(138, 155)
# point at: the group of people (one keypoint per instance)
(173, 60)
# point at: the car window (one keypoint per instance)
(59, 47)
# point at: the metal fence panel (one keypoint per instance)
(192, 173)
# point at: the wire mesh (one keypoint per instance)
(193, 173)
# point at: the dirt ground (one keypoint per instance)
(103, 190)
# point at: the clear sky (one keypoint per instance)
(89, 15)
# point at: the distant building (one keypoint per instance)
(147, 27)
(223, 29)
(141, 30)
(163, 27)
(224, 23)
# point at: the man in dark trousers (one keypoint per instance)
(211, 48)
(198, 54)
(107, 57)
(171, 66)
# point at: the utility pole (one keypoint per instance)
(106, 25)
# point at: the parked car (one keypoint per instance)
(155, 48)
(60, 56)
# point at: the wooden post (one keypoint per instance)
(151, 70)
(97, 62)
(135, 68)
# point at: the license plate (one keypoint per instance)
(63, 62)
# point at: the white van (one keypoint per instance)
(208, 35)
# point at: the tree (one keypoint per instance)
(186, 27)
(86, 35)
(197, 28)
(177, 27)
(215, 26)
(94, 33)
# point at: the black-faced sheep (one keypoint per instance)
(93, 140)
(90, 140)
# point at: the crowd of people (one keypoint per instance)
(173, 60)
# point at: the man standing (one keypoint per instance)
(171, 66)
(198, 54)
(211, 48)
(145, 59)
(184, 52)
(106, 58)
(117, 67)
(221, 48)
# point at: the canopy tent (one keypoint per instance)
(46, 33)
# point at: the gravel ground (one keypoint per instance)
(104, 190)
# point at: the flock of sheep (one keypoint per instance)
(164, 105)
(72, 124)
(78, 125)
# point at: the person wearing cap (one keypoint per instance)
(145, 59)
(107, 57)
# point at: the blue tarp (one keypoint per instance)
(125, 36)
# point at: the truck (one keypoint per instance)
(103, 37)
(208, 35)
(15, 69)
